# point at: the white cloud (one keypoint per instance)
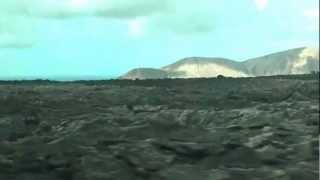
(261, 4)
(15, 31)
(136, 27)
(312, 16)
(312, 13)
(177, 16)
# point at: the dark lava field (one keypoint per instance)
(196, 129)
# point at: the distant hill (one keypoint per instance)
(205, 67)
(145, 73)
(293, 61)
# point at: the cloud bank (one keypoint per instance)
(183, 17)
(176, 16)
(15, 29)
(120, 9)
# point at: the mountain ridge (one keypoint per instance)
(300, 60)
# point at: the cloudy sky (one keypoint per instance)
(50, 38)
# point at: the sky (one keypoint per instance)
(107, 38)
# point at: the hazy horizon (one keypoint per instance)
(106, 38)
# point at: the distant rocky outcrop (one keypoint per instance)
(295, 61)
(145, 73)
(206, 67)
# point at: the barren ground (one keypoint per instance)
(196, 129)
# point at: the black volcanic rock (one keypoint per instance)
(173, 129)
